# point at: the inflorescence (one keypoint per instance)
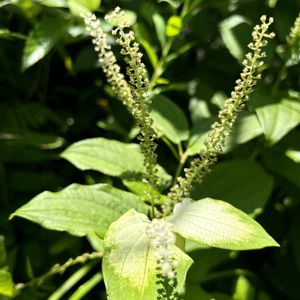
(215, 142)
(135, 93)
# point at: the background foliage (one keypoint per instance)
(53, 94)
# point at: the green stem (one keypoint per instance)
(278, 80)
(160, 65)
(182, 161)
(171, 147)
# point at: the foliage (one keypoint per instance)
(57, 109)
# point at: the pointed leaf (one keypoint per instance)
(218, 224)
(80, 209)
(129, 262)
(278, 119)
(169, 119)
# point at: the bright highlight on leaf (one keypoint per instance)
(218, 224)
(130, 262)
(80, 210)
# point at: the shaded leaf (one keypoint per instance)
(2, 251)
(160, 28)
(218, 224)
(278, 119)
(243, 183)
(92, 207)
(235, 32)
(246, 128)
(169, 119)
(129, 264)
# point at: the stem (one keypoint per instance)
(278, 80)
(171, 147)
(161, 64)
(182, 161)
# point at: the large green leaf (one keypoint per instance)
(278, 119)
(130, 261)
(6, 283)
(169, 119)
(235, 32)
(80, 210)
(110, 157)
(42, 38)
(243, 183)
(218, 224)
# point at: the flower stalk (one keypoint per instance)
(215, 142)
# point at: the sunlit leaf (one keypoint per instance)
(129, 264)
(174, 26)
(6, 283)
(78, 7)
(111, 157)
(93, 208)
(218, 224)
(42, 39)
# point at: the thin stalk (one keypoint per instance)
(171, 147)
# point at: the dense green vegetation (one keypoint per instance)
(54, 94)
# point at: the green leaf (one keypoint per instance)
(160, 28)
(244, 289)
(111, 157)
(218, 224)
(293, 155)
(86, 287)
(42, 39)
(278, 119)
(281, 164)
(235, 32)
(243, 183)
(169, 119)
(174, 26)
(7, 34)
(245, 129)
(198, 135)
(129, 262)
(94, 207)
(6, 283)
(78, 7)
(53, 3)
